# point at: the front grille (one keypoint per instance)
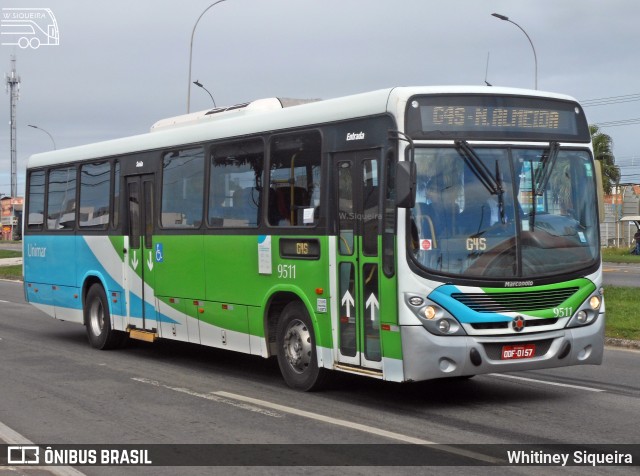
(515, 302)
(494, 350)
(482, 326)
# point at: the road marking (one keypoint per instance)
(210, 396)
(557, 384)
(12, 437)
(276, 410)
(360, 427)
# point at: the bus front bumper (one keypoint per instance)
(427, 356)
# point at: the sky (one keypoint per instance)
(122, 65)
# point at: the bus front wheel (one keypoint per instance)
(97, 319)
(297, 356)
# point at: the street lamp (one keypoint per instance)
(199, 84)
(191, 52)
(535, 57)
(50, 136)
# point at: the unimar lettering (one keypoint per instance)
(35, 251)
(355, 136)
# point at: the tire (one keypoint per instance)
(97, 320)
(297, 355)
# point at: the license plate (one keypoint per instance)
(525, 351)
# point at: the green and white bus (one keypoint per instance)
(404, 234)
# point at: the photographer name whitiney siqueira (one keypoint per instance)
(579, 457)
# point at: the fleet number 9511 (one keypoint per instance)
(287, 271)
(562, 311)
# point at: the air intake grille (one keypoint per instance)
(482, 326)
(515, 302)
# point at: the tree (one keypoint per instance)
(602, 150)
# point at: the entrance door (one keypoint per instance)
(357, 175)
(139, 252)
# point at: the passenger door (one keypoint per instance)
(139, 252)
(357, 179)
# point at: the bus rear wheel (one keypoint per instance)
(97, 320)
(297, 355)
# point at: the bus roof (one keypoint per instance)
(189, 129)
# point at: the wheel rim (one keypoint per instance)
(297, 346)
(96, 317)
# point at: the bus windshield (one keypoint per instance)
(504, 212)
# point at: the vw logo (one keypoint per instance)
(518, 323)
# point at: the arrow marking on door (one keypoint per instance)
(373, 303)
(348, 300)
(134, 261)
(150, 261)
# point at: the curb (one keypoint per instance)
(626, 343)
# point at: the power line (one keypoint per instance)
(610, 100)
(614, 100)
(621, 122)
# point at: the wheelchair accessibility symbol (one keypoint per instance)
(159, 253)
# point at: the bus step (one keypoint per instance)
(140, 334)
(375, 373)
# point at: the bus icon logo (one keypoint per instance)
(29, 27)
(23, 455)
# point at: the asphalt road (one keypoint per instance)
(55, 389)
(621, 274)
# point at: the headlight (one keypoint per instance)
(588, 312)
(581, 317)
(429, 312)
(433, 318)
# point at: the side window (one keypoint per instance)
(294, 179)
(236, 184)
(370, 192)
(182, 188)
(61, 203)
(116, 194)
(95, 188)
(389, 224)
(35, 219)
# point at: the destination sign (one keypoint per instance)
(495, 117)
(299, 248)
(491, 117)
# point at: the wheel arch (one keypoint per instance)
(88, 281)
(275, 304)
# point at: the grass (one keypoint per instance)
(11, 272)
(622, 314)
(10, 254)
(619, 255)
(622, 320)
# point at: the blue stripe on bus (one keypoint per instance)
(442, 297)
(54, 260)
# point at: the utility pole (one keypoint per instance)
(13, 88)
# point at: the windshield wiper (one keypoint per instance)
(492, 183)
(478, 168)
(543, 173)
(541, 178)
(500, 193)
